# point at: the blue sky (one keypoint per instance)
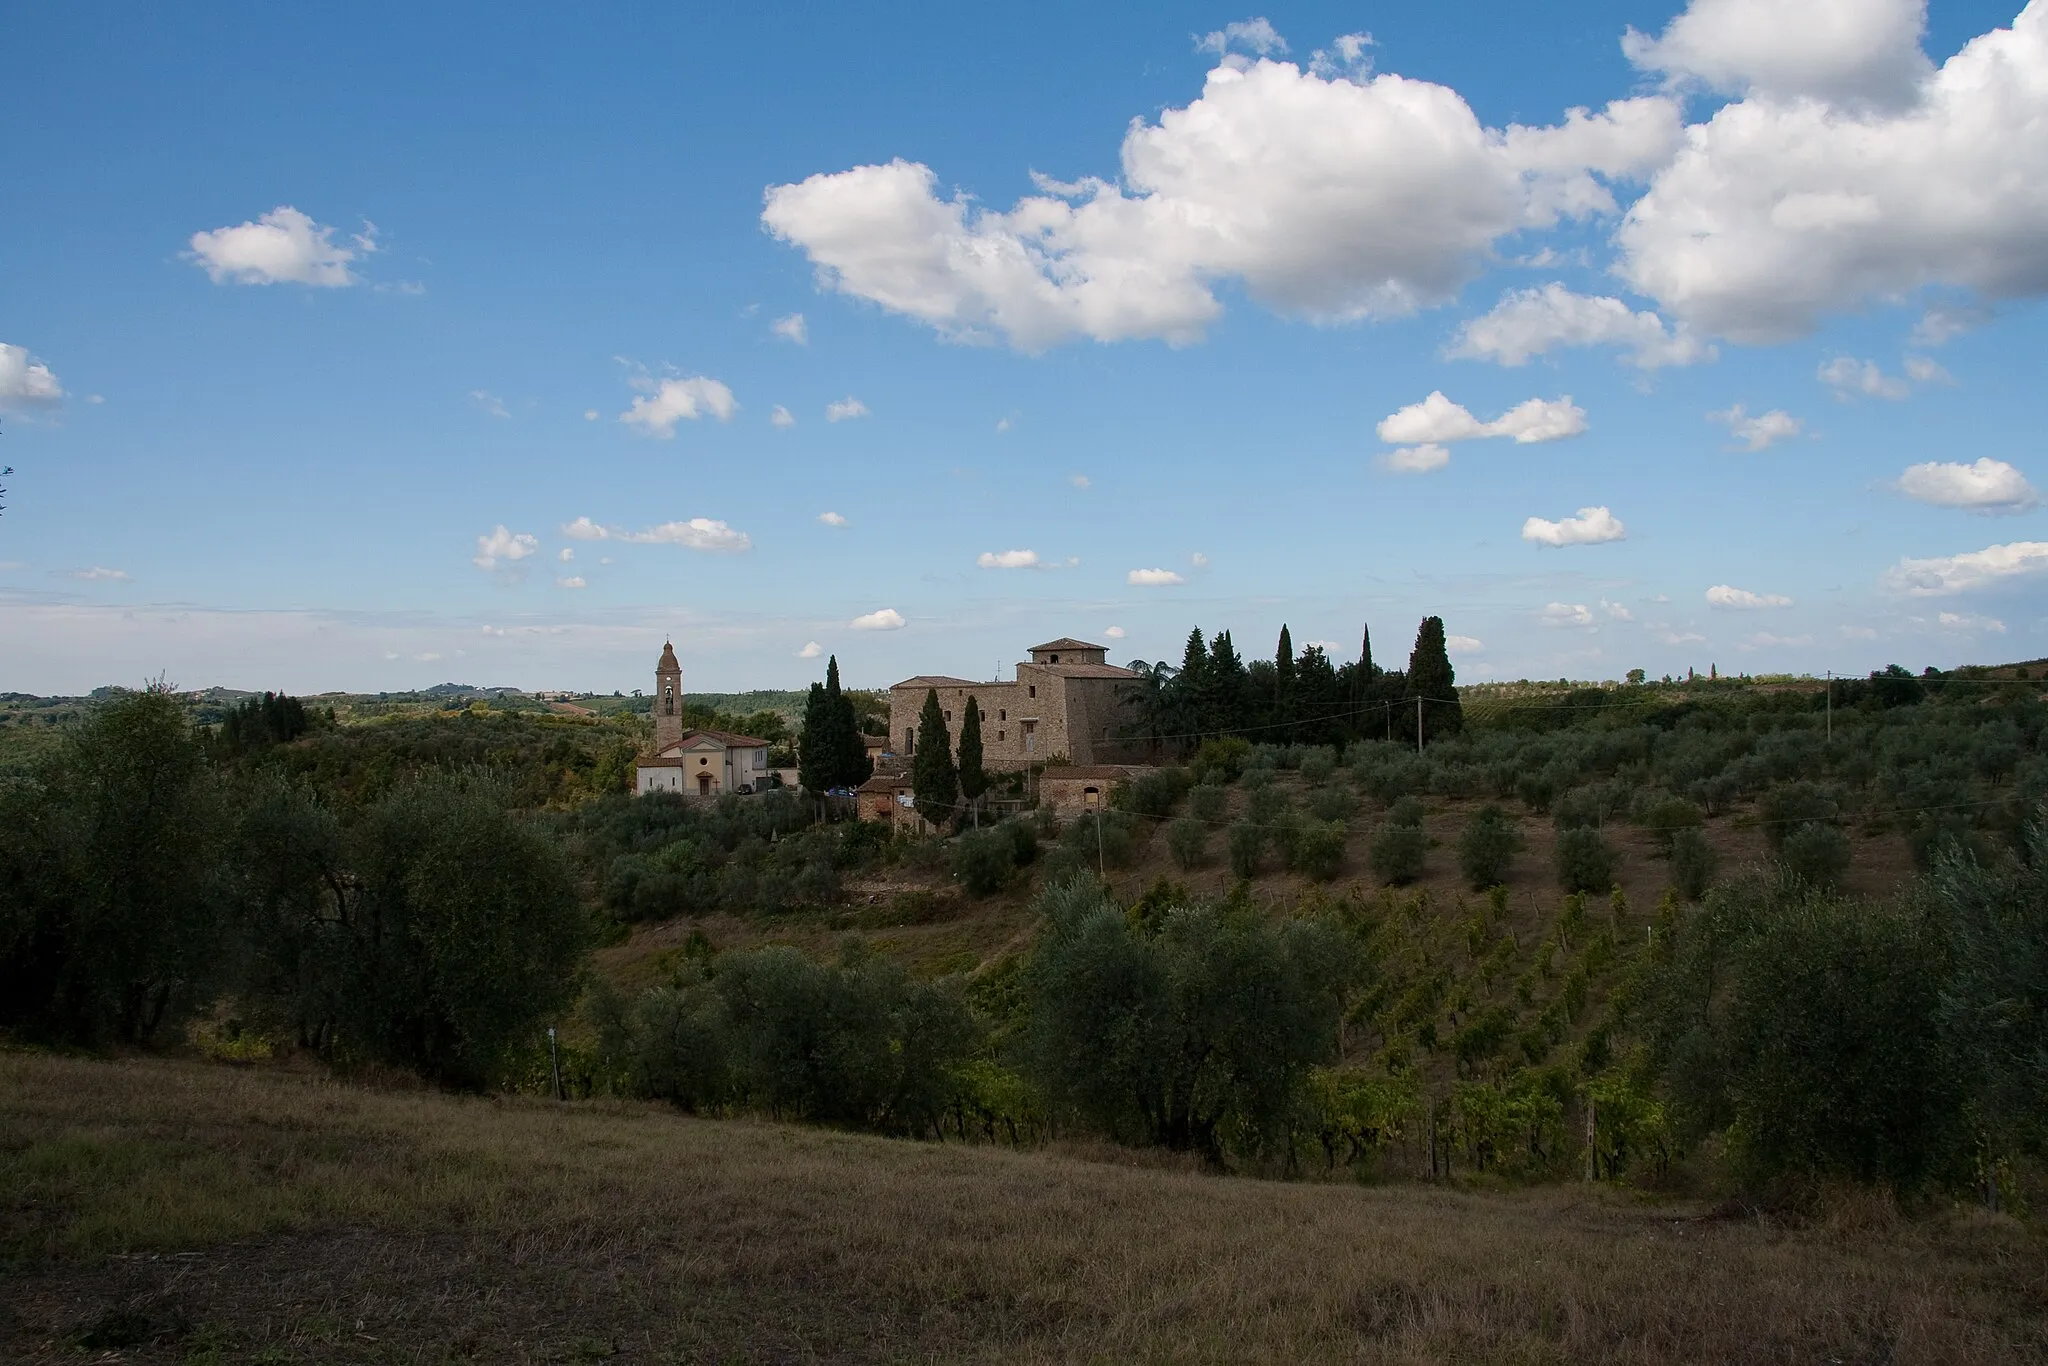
(327, 334)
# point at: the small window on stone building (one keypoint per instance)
(1002, 714)
(1055, 659)
(1033, 687)
(949, 715)
(999, 737)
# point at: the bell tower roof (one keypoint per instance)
(668, 664)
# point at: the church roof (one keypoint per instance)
(668, 664)
(1066, 643)
(1085, 670)
(939, 681)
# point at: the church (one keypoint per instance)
(695, 763)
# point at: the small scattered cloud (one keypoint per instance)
(1592, 526)
(1533, 322)
(663, 403)
(1416, 459)
(566, 554)
(1986, 486)
(792, 328)
(489, 402)
(833, 519)
(1567, 614)
(1616, 611)
(1942, 575)
(1079, 481)
(284, 246)
(1345, 59)
(572, 581)
(1757, 433)
(503, 546)
(1857, 633)
(1681, 638)
(1970, 622)
(1851, 378)
(26, 384)
(590, 414)
(1199, 560)
(1742, 600)
(698, 533)
(99, 573)
(1764, 640)
(780, 416)
(1464, 645)
(1152, 578)
(1007, 559)
(811, 650)
(886, 619)
(844, 409)
(1256, 36)
(1943, 323)
(1437, 421)
(1113, 632)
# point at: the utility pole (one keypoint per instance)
(1831, 706)
(1101, 859)
(1418, 725)
(554, 1062)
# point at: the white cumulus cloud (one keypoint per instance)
(1971, 622)
(1113, 632)
(1567, 614)
(1257, 36)
(1533, 322)
(1326, 195)
(792, 328)
(503, 546)
(1741, 599)
(833, 519)
(886, 619)
(26, 383)
(571, 581)
(1592, 526)
(1415, 459)
(489, 402)
(1464, 645)
(1756, 433)
(1849, 377)
(665, 402)
(811, 650)
(1987, 486)
(780, 416)
(100, 574)
(565, 554)
(1153, 578)
(284, 246)
(1942, 323)
(1007, 559)
(1436, 420)
(1836, 50)
(1852, 171)
(1942, 575)
(839, 410)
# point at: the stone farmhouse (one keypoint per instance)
(695, 763)
(1067, 704)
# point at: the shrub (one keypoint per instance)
(1154, 793)
(1207, 801)
(982, 860)
(1222, 759)
(1585, 863)
(1406, 811)
(1247, 848)
(1398, 852)
(1666, 816)
(1537, 791)
(1319, 849)
(1816, 854)
(1332, 803)
(1188, 839)
(1785, 809)
(1023, 840)
(1317, 765)
(1101, 836)
(1487, 848)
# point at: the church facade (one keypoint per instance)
(1068, 703)
(690, 762)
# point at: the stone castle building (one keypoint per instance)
(690, 762)
(1068, 703)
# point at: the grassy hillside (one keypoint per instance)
(175, 1212)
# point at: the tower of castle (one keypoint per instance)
(668, 699)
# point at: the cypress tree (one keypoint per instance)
(1430, 678)
(934, 782)
(849, 753)
(814, 743)
(973, 777)
(1189, 691)
(1284, 706)
(1227, 703)
(1318, 698)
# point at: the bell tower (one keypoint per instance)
(668, 699)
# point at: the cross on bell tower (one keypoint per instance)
(668, 699)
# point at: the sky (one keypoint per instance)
(374, 346)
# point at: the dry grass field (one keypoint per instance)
(162, 1211)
